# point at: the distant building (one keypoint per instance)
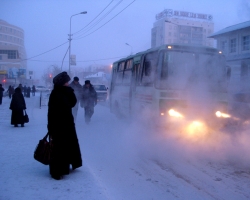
(173, 26)
(12, 52)
(234, 41)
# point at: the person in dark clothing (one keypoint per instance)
(28, 92)
(78, 92)
(25, 91)
(10, 91)
(21, 87)
(17, 105)
(33, 90)
(61, 128)
(1, 93)
(88, 100)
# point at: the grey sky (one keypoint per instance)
(47, 22)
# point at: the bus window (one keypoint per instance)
(119, 77)
(127, 76)
(121, 66)
(149, 69)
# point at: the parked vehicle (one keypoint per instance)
(102, 92)
(42, 89)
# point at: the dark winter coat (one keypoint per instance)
(33, 89)
(1, 91)
(10, 90)
(89, 96)
(17, 105)
(77, 89)
(61, 129)
(28, 92)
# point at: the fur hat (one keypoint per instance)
(61, 79)
(76, 78)
(87, 82)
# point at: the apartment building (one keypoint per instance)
(173, 26)
(12, 52)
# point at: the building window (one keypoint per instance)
(232, 45)
(224, 46)
(246, 43)
(1, 58)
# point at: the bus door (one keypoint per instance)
(126, 84)
(145, 90)
(134, 82)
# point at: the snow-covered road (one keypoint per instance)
(123, 161)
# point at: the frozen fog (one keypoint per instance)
(125, 159)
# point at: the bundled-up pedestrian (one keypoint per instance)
(61, 128)
(28, 92)
(1, 93)
(25, 90)
(88, 100)
(10, 91)
(78, 92)
(33, 90)
(17, 105)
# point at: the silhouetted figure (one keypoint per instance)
(78, 92)
(1, 93)
(11, 91)
(28, 92)
(88, 100)
(61, 128)
(25, 91)
(17, 105)
(33, 90)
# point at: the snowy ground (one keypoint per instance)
(124, 161)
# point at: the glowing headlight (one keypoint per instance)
(173, 113)
(220, 114)
(196, 127)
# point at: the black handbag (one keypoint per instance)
(26, 117)
(43, 151)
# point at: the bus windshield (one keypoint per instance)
(181, 70)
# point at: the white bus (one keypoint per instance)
(169, 81)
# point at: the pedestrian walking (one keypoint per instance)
(78, 92)
(28, 92)
(1, 93)
(33, 90)
(10, 91)
(21, 87)
(17, 105)
(88, 100)
(24, 91)
(61, 128)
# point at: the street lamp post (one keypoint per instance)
(131, 49)
(85, 12)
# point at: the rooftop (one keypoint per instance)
(232, 28)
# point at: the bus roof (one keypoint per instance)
(175, 47)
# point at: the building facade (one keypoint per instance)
(13, 64)
(173, 26)
(234, 41)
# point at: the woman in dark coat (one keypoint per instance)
(61, 128)
(28, 92)
(17, 105)
(1, 93)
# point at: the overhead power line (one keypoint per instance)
(79, 37)
(107, 21)
(82, 60)
(99, 20)
(94, 18)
